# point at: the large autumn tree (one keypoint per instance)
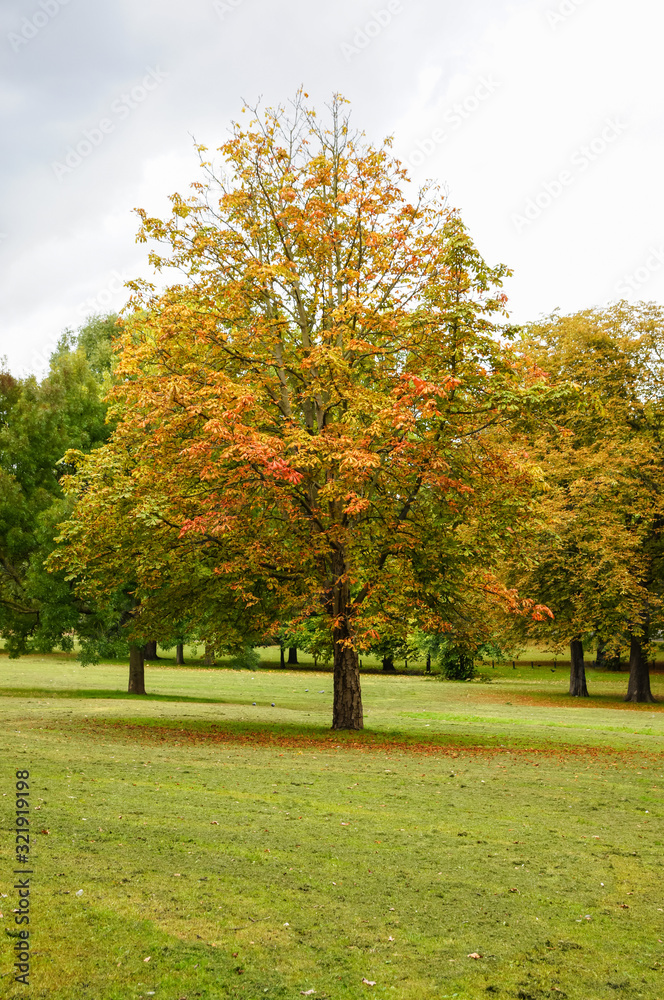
(319, 404)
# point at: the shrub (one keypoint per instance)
(457, 666)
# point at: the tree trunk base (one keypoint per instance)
(179, 654)
(388, 665)
(292, 655)
(136, 671)
(638, 688)
(347, 710)
(577, 672)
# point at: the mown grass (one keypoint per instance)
(249, 852)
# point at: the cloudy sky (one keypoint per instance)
(543, 119)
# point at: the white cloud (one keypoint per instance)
(528, 94)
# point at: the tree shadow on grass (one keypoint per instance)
(286, 736)
(94, 693)
(562, 699)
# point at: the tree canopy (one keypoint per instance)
(318, 409)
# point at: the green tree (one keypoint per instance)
(39, 420)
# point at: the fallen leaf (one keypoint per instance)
(474, 954)
(214, 822)
(148, 958)
(514, 890)
(369, 982)
(307, 993)
(45, 831)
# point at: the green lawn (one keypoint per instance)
(248, 852)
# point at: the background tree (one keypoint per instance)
(114, 545)
(39, 420)
(310, 634)
(596, 555)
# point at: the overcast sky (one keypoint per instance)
(544, 120)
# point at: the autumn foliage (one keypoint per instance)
(315, 419)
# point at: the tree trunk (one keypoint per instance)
(638, 688)
(179, 654)
(577, 671)
(388, 664)
(150, 650)
(347, 711)
(292, 654)
(428, 663)
(281, 656)
(136, 671)
(347, 708)
(209, 655)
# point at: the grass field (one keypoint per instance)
(201, 845)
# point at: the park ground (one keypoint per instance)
(486, 839)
